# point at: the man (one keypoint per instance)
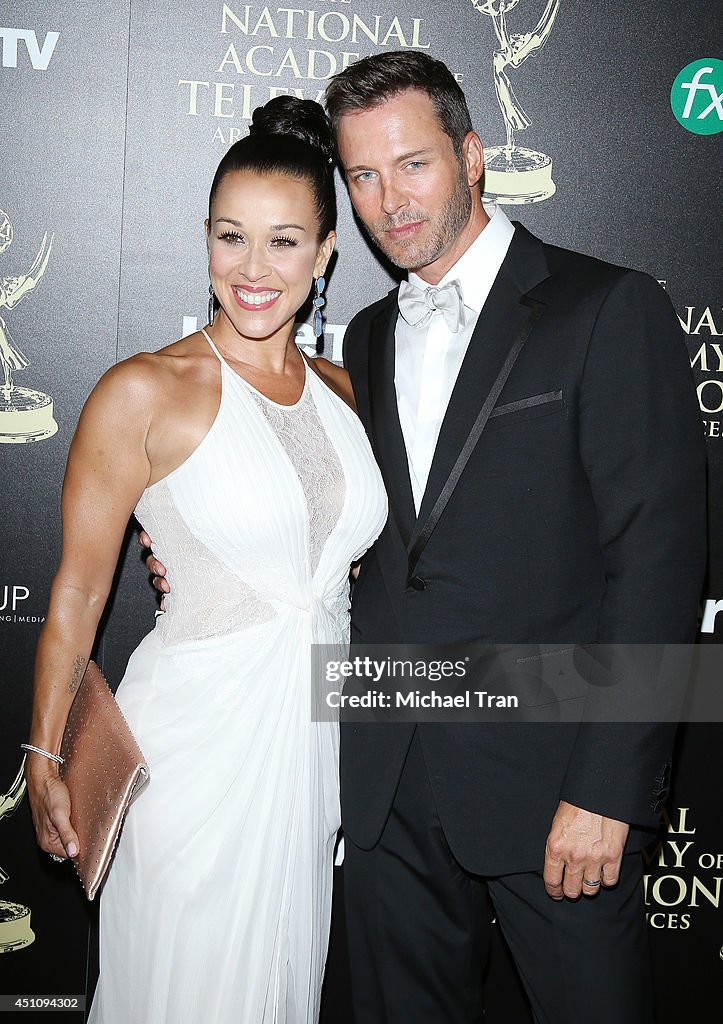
(537, 429)
(576, 516)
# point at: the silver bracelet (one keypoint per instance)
(46, 753)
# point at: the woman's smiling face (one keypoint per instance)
(264, 251)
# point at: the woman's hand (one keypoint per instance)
(50, 807)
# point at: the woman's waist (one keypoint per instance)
(187, 619)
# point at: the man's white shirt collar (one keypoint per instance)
(477, 268)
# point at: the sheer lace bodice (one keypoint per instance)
(207, 598)
(303, 438)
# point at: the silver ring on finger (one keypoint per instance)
(55, 857)
(594, 885)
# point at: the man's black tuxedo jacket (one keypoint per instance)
(579, 518)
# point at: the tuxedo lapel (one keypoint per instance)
(507, 315)
(387, 437)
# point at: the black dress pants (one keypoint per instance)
(418, 930)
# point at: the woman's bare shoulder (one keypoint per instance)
(140, 374)
(336, 378)
(131, 392)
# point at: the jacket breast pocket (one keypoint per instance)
(544, 404)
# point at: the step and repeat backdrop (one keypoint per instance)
(114, 116)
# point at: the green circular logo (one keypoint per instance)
(697, 96)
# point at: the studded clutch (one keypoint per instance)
(104, 771)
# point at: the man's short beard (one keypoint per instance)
(410, 255)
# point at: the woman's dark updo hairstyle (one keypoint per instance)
(288, 136)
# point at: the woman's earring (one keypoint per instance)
(210, 303)
(319, 303)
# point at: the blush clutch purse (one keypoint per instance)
(104, 771)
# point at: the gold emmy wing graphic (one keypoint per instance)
(515, 174)
(25, 415)
(15, 930)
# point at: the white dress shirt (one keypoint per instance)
(428, 358)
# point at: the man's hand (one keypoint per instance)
(155, 568)
(583, 852)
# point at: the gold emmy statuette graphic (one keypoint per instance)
(25, 415)
(15, 930)
(515, 174)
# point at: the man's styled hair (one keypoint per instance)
(372, 81)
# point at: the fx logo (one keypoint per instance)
(39, 55)
(697, 97)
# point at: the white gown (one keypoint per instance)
(217, 904)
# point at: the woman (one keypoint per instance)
(255, 479)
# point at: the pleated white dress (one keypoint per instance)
(218, 902)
